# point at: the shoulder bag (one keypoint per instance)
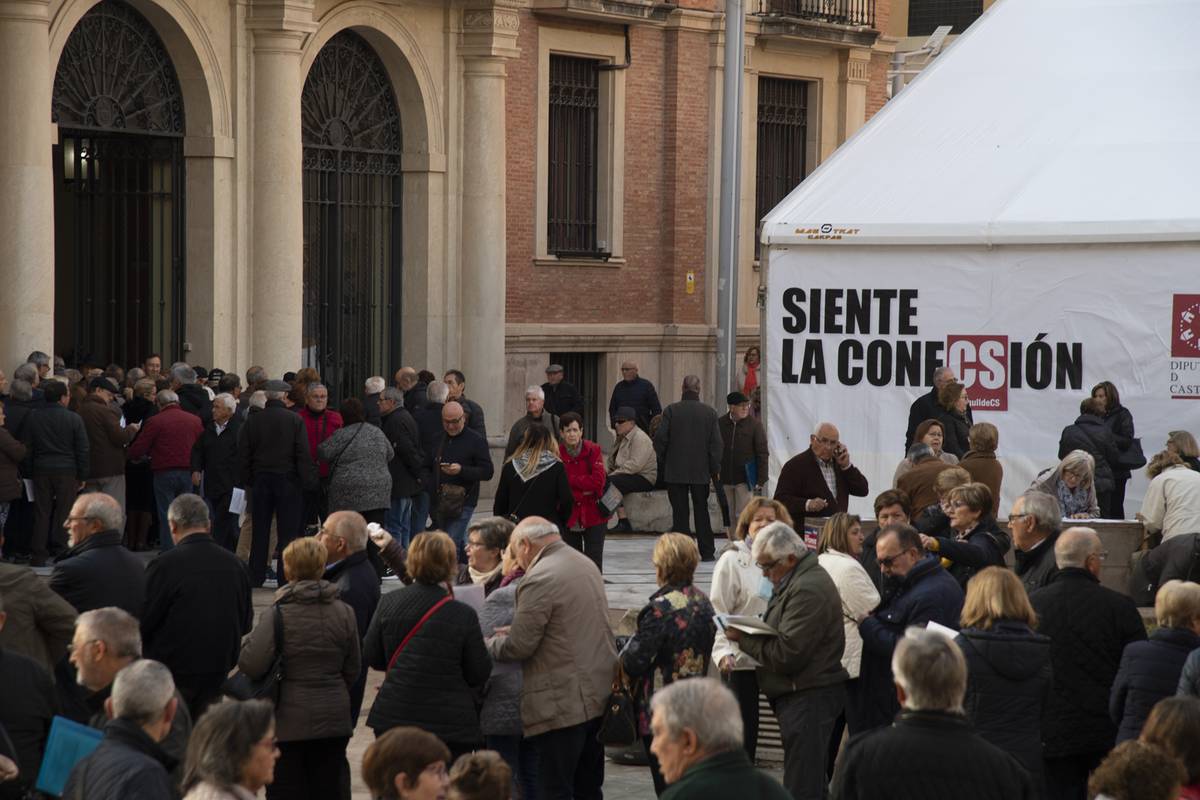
(240, 686)
(618, 728)
(415, 628)
(1132, 457)
(450, 499)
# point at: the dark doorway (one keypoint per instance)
(582, 370)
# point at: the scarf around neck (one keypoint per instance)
(526, 472)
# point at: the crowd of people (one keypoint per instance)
(905, 661)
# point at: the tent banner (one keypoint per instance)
(854, 335)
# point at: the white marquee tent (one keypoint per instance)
(1027, 209)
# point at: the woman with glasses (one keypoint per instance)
(486, 541)
(232, 752)
(407, 764)
(1072, 483)
(975, 541)
(932, 433)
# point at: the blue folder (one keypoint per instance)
(68, 744)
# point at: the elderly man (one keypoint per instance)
(456, 382)
(931, 750)
(632, 464)
(130, 764)
(455, 466)
(916, 591)
(688, 446)
(214, 463)
(820, 480)
(41, 361)
(401, 431)
(697, 738)
(535, 414)
(635, 392)
(194, 398)
(372, 389)
(320, 422)
(744, 455)
(409, 382)
(926, 406)
(107, 440)
(801, 670)
(198, 606)
(1089, 626)
(168, 438)
(59, 455)
(917, 482)
(561, 396)
(97, 570)
(27, 707)
(1034, 522)
(561, 636)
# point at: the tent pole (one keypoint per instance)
(731, 150)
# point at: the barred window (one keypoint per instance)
(573, 155)
(782, 143)
(925, 15)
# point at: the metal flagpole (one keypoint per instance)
(731, 150)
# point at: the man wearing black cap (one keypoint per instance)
(107, 440)
(744, 460)
(561, 396)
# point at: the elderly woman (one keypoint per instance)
(981, 462)
(952, 413)
(232, 752)
(1183, 444)
(486, 542)
(932, 433)
(674, 632)
(584, 463)
(407, 764)
(838, 552)
(1119, 422)
(1172, 502)
(533, 481)
(1150, 670)
(934, 519)
(320, 649)
(1072, 483)
(975, 541)
(431, 649)
(358, 454)
(737, 589)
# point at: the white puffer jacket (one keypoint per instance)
(859, 596)
(735, 584)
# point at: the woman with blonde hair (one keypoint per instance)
(1183, 444)
(974, 540)
(533, 481)
(737, 589)
(1073, 483)
(1008, 667)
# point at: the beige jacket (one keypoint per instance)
(634, 455)
(561, 636)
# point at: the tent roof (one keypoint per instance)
(1047, 121)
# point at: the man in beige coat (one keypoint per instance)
(561, 636)
(633, 464)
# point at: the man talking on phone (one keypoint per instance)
(819, 481)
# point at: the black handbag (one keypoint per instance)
(1132, 457)
(618, 728)
(241, 686)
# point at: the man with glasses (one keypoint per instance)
(637, 393)
(455, 466)
(916, 591)
(97, 570)
(1034, 523)
(892, 507)
(1089, 626)
(819, 481)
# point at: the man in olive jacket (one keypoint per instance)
(801, 673)
(561, 636)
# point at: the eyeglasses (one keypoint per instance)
(826, 441)
(1102, 555)
(889, 560)
(471, 544)
(1012, 517)
(69, 520)
(71, 648)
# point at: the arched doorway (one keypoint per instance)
(352, 210)
(118, 192)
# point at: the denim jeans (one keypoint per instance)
(398, 518)
(168, 484)
(458, 532)
(420, 515)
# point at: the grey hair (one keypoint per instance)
(529, 529)
(943, 370)
(226, 399)
(931, 670)
(268, 396)
(536, 391)
(255, 375)
(183, 373)
(1045, 511)
(778, 541)
(437, 392)
(20, 390)
(816, 431)
(103, 509)
(258, 398)
(1074, 547)
(691, 383)
(166, 397)
(38, 358)
(141, 691)
(920, 452)
(495, 531)
(1081, 463)
(189, 512)
(374, 384)
(314, 386)
(705, 707)
(115, 627)
(26, 372)
(223, 741)
(393, 394)
(351, 526)
(134, 375)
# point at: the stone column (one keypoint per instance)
(489, 38)
(853, 74)
(26, 183)
(277, 255)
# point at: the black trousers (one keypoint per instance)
(53, 495)
(312, 768)
(744, 685)
(278, 497)
(806, 720)
(1115, 509)
(1067, 777)
(678, 494)
(570, 763)
(224, 524)
(590, 542)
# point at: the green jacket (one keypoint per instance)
(807, 653)
(723, 776)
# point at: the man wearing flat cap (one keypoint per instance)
(107, 440)
(561, 396)
(744, 459)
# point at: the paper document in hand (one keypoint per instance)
(937, 627)
(751, 625)
(237, 501)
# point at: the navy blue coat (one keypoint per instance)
(640, 395)
(1149, 672)
(100, 572)
(468, 449)
(984, 547)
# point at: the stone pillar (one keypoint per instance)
(853, 73)
(27, 193)
(489, 38)
(277, 255)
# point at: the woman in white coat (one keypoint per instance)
(838, 550)
(739, 588)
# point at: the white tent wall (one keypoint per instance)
(1097, 312)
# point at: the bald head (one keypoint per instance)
(454, 418)
(406, 378)
(530, 537)
(350, 527)
(629, 370)
(1079, 548)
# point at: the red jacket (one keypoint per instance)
(319, 429)
(167, 438)
(585, 474)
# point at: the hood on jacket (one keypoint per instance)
(307, 592)
(521, 464)
(1011, 648)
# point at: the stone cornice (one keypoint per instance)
(489, 30)
(285, 18)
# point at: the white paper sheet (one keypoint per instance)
(28, 489)
(937, 627)
(237, 501)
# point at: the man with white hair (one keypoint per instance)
(372, 389)
(931, 751)
(819, 481)
(696, 730)
(129, 764)
(535, 414)
(1089, 626)
(97, 570)
(167, 438)
(561, 636)
(1034, 521)
(214, 464)
(801, 670)
(194, 397)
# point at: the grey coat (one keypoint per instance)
(359, 479)
(501, 712)
(688, 442)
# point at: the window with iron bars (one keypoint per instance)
(573, 155)
(782, 143)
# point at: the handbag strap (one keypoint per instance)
(417, 627)
(278, 632)
(345, 447)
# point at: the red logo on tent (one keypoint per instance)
(981, 364)
(1185, 326)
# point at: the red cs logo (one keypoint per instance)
(981, 364)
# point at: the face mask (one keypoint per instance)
(765, 588)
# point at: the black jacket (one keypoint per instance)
(468, 449)
(984, 546)
(128, 765)
(923, 408)
(401, 430)
(1089, 627)
(547, 494)
(429, 431)
(640, 395)
(217, 457)
(1008, 680)
(371, 409)
(929, 755)
(27, 706)
(100, 572)
(197, 609)
(688, 442)
(57, 442)
(358, 587)
(562, 397)
(955, 428)
(194, 399)
(1149, 672)
(1178, 558)
(416, 398)
(1037, 568)
(435, 678)
(275, 441)
(1090, 434)
(1120, 424)
(474, 416)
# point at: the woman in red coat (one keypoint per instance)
(585, 472)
